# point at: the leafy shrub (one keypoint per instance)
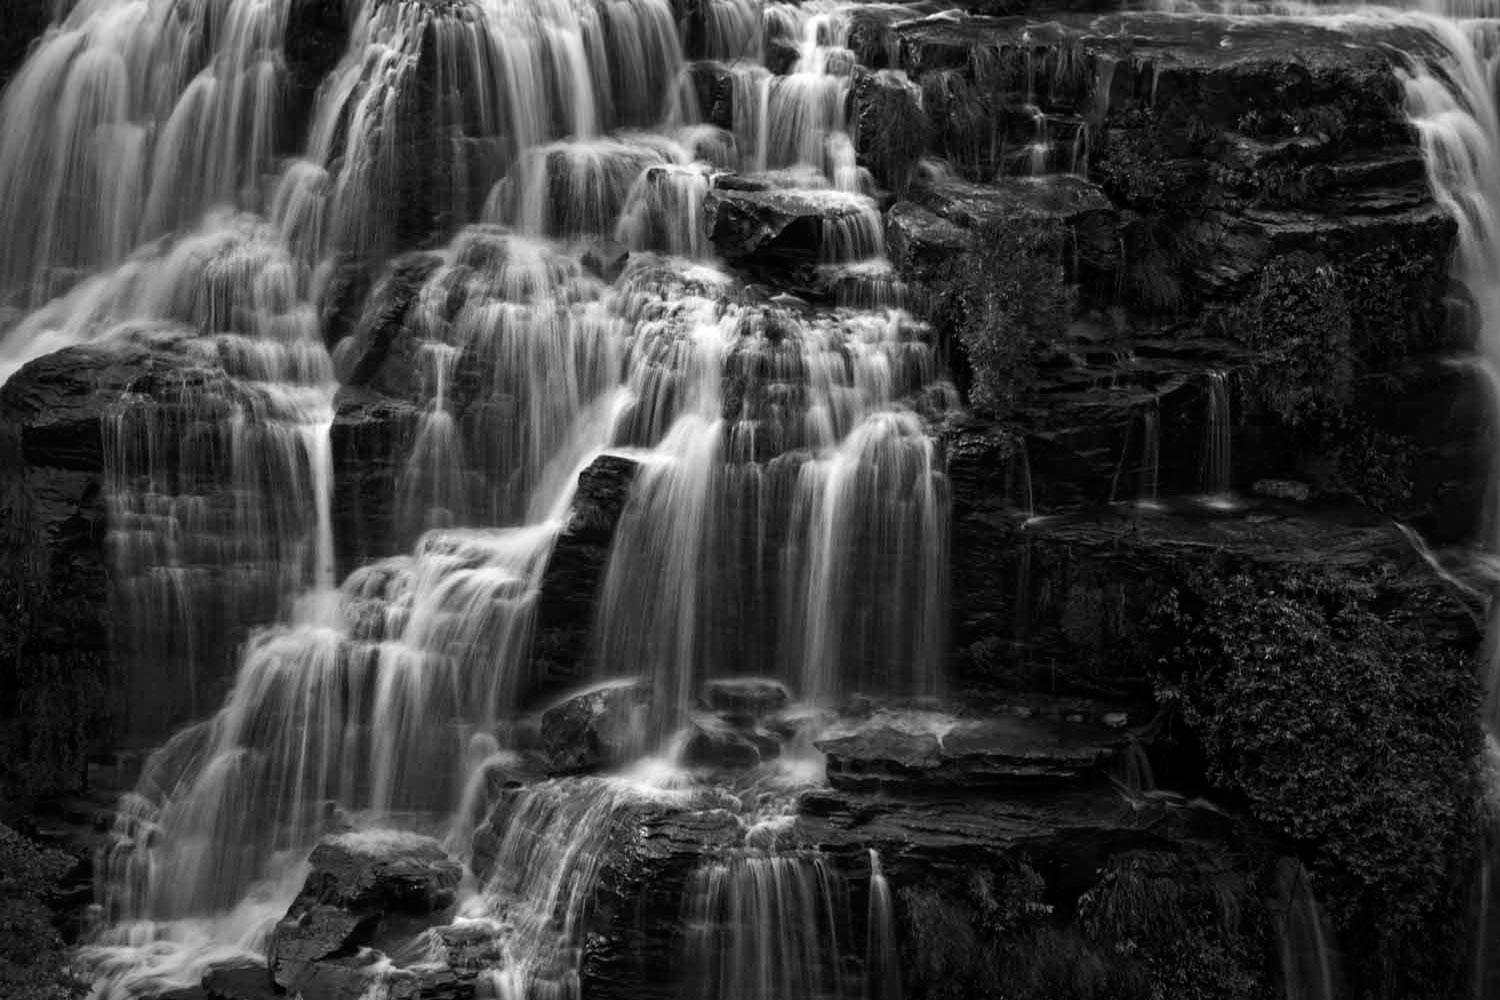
(1181, 923)
(1154, 927)
(1005, 304)
(32, 959)
(1297, 323)
(1352, 733)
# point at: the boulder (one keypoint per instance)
(370, 439)
(745, 698)
(365, 891)
(721, 746)
(241, 979)
(783, 228)
(606, 259)
(919, 240)
(596, 728)
(713, 86)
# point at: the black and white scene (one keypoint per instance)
(749, 500)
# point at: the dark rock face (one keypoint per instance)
(570, 585)
(370, 437)
(242, 980)
(364, 891)
(745, 698)
(602, 726)
(24, 24)
(775, 225)
(606, 259)
(970, 757)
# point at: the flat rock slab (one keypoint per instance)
(993, 753)
(1065, 199)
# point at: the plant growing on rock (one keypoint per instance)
(1297, 323)
(1005, 304)
(32, 958)
(893, 130)
(1350, 731)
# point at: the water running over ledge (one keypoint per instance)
(799, 434)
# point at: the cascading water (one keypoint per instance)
(1217, 437)
(784, 471)
(1453, 104)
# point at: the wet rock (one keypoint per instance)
(1069, 598)
(1071, 201)
(365, 891)
(745, 698)
(634, 946)
(781, 227)
(377, 355)
(596, 728)
(242, 979)
(370, 439)
(995, 753)
(723, 746)
(387, 871)
(606, 259)
(713, 85)
(570, 584)
(919, 240)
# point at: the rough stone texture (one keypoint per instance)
(598, 727)
(370, 438)
(745, 698)
(637, 913)
(772, 223)
(1063, 603)
(561, 657)
(973, 757)
(244, 979)
(364, 891)
(53, 411)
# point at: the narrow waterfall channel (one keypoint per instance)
(417, 314)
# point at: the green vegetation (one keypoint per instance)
(1006, 303)
(1349, 729)
(32, 958)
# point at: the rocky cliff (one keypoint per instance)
(1210, 416)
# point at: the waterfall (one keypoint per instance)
(197, 204)
(882, 955)
(1218, 434)
(1303, 937)
(1455, 111)
(765, 924)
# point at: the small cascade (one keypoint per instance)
(766, 924)
(1149, 477)
(1304, 938)
(1455, 110)
(882, 953)
(546, 868)
(1136, 778)
(1215, 468)
(787, 514)
(153, 112)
